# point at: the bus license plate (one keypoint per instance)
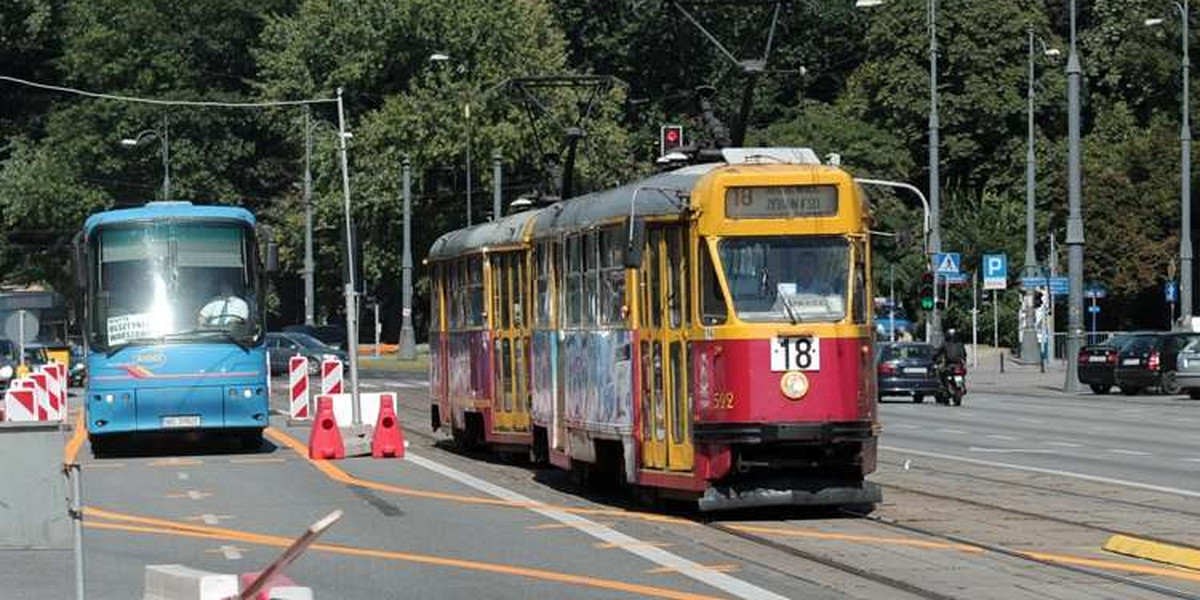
(795, 354)
(182, 421)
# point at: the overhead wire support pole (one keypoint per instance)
(351, 292)
(1075, 214)
(1185, 177)
(935, 235)
(407, 338)
(309, 263)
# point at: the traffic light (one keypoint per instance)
(670, 138)
(927, 291)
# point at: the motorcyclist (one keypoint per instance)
(950, 354)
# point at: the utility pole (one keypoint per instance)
(166, 158)
(351, 292)
(467, 114)
(1185, 181)
(310, 305)
(407, 341)
(892, 302)
(497, 189)
(1075, 216)
(935, 235)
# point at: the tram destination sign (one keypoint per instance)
(781, 201)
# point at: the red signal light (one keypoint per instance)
(670, 138)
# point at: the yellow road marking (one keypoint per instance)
(722, 568)
(341, 476)
(845, 537)
(71, 450)
(216, 533)
(1156, 551)
(193, 494)
(1113, 565)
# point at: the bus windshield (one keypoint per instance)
(786, 279)
(174, 281)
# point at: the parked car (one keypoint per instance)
(907, 369)
(1098, 361)
(332, 335)
(883, 324)
(1150, 361)
(282, 346)
(1188, 373)
(8, 363)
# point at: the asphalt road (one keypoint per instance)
(441, 524)
(1145, 443)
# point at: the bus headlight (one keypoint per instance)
(6, 371)
(794, 385)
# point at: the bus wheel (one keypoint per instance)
(100, 446)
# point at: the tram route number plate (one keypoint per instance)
(181, 421)
(798, 353)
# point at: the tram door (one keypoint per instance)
(511, 344)
(666, 401)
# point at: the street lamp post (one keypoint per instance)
(1185, 170)
(310, 305)
(935, 212)
(1029, 343)
(443, 57)
(162, 134)
(407, 339)
(1075, 216)
(351, 292)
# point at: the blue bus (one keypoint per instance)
(174, 319)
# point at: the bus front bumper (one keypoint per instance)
(238, 406)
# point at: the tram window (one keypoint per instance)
(786, 279)
(591, 279)
(712, 302)
(653, 275)
(675, 268)
(518, 291)
(474, 292)
(574, 295)
(680, 391)
(859, 309)
(647, 389)
(453, 292)
(497, 264)
(612, 278)
(542, 283)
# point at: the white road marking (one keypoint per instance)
(196, 495)
(1030, 420)
(1013, 450)
(663, 558)
(1064, 444)
(1003, 438)
(210, 519)
(1128, 452)
(182, 476)
(953, 431)
(1084, 476)
(901, 426)
(1195, 460)
(231, 552)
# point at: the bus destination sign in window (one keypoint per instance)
(782, 201)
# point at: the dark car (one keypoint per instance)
(1098, 361)
(907, 369)
(332, 335)
(281, 347)
(1150, 361)
(78, 371)
(8, 363)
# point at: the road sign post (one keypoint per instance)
(945, 264)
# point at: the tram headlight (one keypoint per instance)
(794, 385)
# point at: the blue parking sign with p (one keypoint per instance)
(995, 271)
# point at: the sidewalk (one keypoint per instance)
(1017, 378)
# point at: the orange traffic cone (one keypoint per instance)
(325, 441)
(388, 441)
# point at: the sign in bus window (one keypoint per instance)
(781, 201)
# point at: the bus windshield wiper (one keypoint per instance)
(112, 349)
(223, 333)
(791, 310)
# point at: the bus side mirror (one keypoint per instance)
(272, 257)
(636, 230)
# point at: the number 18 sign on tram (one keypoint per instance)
(799, 353)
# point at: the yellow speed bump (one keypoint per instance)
(1180, 556)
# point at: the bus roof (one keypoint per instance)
(166, 210)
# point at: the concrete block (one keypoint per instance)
(177, 582)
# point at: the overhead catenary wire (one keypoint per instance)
(164, 102)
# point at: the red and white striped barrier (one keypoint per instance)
(41, 393)
(331, 376)
(56, 392)
(298, 386)
(20, 403)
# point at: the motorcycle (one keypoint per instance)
(954, 384)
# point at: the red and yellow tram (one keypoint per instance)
(704, 332)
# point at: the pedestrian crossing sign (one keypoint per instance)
(946, 263)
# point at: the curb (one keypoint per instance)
(1180, 556)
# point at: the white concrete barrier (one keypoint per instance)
(177, 582)
(343, 410)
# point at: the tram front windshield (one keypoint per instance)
(786, 279)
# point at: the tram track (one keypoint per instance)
(1029, 557)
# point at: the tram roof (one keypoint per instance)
(657, 195)
(507, 231)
